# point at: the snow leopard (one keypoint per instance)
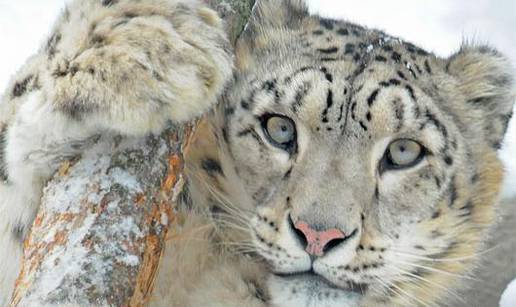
(336, 165)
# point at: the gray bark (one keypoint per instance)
(101, 228)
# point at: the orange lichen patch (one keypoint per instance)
(155, 203)
(174, 166)
(148, 271)
(35, 251)
(153, 216)
(37, 221)
(60, 238)
(67, 217)
(154, 244)
(140, 199)
(165, 208)
(87, 243)
(64, 169)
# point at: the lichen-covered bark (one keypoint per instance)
(103, 220)
(98, 236)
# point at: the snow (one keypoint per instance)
(131, 260)
(509, 296)
(71, 262)
(92, 178)
(125, 179)
(439, 26)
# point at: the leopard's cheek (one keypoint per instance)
(263, 167)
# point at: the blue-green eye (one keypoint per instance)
(402, 153)
(280, 131)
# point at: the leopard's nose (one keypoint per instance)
(318, 242)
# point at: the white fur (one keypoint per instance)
(136, 88)
(309, 292)
(38, 140)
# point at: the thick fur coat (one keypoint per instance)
(341, 166)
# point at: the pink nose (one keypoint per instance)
(318, 240)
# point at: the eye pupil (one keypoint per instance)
(402, 153)
(280, 131)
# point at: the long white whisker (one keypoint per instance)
(237, 244)
(226, 204)
(404, 297)
(410, 295)
(433, 269)
(429, 282)
(232, 218)
(416, 256)
(220, 198)
(230, 226)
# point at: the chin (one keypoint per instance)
(310, 290)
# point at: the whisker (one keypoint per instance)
(410, 295)
(389, 288)
(224, 201)
(235, 244)
(429, 282)
(226, 205)
(225, 216)
(417, 256)
(434, 270)
(234, 226)
(249, 250)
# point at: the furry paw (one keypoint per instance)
(133, 66)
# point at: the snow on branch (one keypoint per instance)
(102, 225)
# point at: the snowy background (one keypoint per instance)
(439, 26)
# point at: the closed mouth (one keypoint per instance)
(350, 286)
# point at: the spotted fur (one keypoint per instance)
(350, 90)
(411, 235)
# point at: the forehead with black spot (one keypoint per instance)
(332, 58)
(348, 85)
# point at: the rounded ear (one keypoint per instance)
(486, 79)
(269, 22)
(278, 13)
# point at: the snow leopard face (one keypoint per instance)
(347, 166)
(364, 166)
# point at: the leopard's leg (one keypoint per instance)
(36, 142)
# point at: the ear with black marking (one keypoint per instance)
(485, 79)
